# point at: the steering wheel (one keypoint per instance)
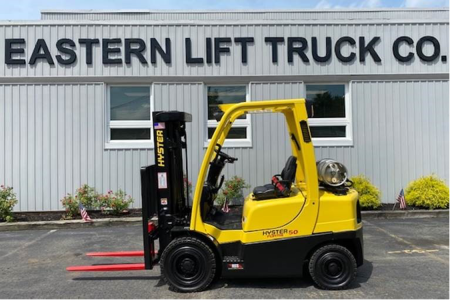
(226, 157)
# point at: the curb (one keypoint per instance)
(407, 214)
(70, 224)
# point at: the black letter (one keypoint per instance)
(41, 44)
(106, 51)
(315, 52)
(208, 50)
(9, 51)
(218, 49)
(136, 51)
(436, 45)
(89, 44)
(189, 58)
(369, 47)
(300, 50)
(274, 41)
(396, 46)
(155, 46)
(72, 55)
(244, 41)
(337, 49)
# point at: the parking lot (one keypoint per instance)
(404, 258)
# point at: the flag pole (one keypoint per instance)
(395, 204)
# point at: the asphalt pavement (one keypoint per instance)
(404, 258)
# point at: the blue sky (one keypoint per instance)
(30, 9)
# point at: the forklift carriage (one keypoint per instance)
(305, 219)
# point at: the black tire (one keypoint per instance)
(188, 265)
(332, 267)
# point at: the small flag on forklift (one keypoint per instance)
(84, 214)
(401, 200)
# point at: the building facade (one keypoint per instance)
(77, 89)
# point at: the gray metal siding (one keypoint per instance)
(381, 14)
(259, 54)
(52, 142)
(400, 131)
(52, 137)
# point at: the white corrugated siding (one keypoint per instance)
(400, 131)
(383, 14)
(259, 54)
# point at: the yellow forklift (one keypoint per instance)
(305, 219)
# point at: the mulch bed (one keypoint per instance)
(59, 215)
(389, 206)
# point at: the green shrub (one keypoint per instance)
(231, 189)
(111, 202)
(7, 201)
(428, 192)
(70, 204)
(88, 196)
(115, 202)
(369, 195)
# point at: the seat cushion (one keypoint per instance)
(264, 192)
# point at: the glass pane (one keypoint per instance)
(325, 101)
(130, 103)
(327, 131)
(130, 134)
(224, 95)
(234, 133)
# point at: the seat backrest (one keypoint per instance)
(289, 169)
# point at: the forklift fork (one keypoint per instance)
(148, 252)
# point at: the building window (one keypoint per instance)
(240, 133)
(329, 112)
(129, 114)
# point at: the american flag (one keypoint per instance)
(84, 214)
(401, 200)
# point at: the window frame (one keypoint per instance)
(238, 123)
(128, 144)
(347, 121)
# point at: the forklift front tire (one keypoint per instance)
(332, 267)
(188, 265)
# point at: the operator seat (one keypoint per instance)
(278, 188)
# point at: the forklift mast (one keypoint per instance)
(163, 188)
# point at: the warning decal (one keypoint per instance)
(162, 180)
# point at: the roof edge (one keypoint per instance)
(150, 11)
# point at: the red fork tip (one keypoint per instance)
(117, 253)
(107, 268)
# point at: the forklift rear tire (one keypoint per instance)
(188, 265)
(332, 267)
